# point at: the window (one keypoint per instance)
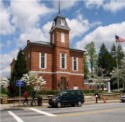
(63, 37)
(75, 63)
(42, 60)
(53, 38)
(62, 22)
(63, 61)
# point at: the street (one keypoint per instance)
(109, 112)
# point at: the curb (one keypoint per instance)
(45, 105)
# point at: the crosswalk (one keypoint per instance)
(17, 115)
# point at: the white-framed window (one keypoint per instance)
(75, 63)
(62, 22)
(63, 37)
(42, 60)
(63, 61)
(53, 38)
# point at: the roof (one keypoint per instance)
(41, 43)
(57, 23)
(72, 49)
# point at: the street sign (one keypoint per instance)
(19, 83)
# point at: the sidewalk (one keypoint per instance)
(45, 105)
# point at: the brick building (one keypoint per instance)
(60, 66)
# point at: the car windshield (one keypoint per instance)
(62, 93)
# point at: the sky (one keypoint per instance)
(89, 20)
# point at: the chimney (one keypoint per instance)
(28, 41)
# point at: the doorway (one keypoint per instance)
(63, 84)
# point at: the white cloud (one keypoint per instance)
(111, 5)
(93, 3)
(5, 63)
(104, 34)
(64, 4)
(27, 14)
(35, 34)
(114, 6)
(5, 25)
(79, 26)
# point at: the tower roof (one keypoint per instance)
(59, 22)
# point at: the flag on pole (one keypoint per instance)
(119, 39)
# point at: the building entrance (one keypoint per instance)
(63, 84)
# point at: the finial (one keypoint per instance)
(59, 7)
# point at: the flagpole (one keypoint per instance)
(117, 64)
(118, 39)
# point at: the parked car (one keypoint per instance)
(67, 97)
(123, 96)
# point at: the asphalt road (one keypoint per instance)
(106, 112)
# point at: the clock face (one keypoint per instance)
(62, 22)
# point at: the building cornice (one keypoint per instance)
(58, 72)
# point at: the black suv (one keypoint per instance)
(67, 97)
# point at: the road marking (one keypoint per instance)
(42, 112)
(90, 112)
(15, 116)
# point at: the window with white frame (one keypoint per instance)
(75, 63)
(63, 61)
(63, 37)
(42, 60)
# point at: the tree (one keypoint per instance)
(20, 67)
(104, 60)
(119, 73)
(123, 72)
(92, 56)
(113, 54)
(86, 71)
(120, 54)
(33, 80)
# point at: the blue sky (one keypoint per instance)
(89, 20)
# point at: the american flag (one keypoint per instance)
(119, 39)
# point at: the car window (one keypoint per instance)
(63, 93)
(72, 93)
(79, 93)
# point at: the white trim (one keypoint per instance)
(60, 60)
(40, 60)
(45, 60)
(58, 72)
(65, 61)
(72, 63)
(65, 56)
(76, 63)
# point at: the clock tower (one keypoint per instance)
(59, 33)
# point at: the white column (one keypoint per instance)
(108, 87)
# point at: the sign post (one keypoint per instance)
(19, 84)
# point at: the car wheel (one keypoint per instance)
(79, 103)
(59, 105)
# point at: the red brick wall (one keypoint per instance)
(53, 78)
